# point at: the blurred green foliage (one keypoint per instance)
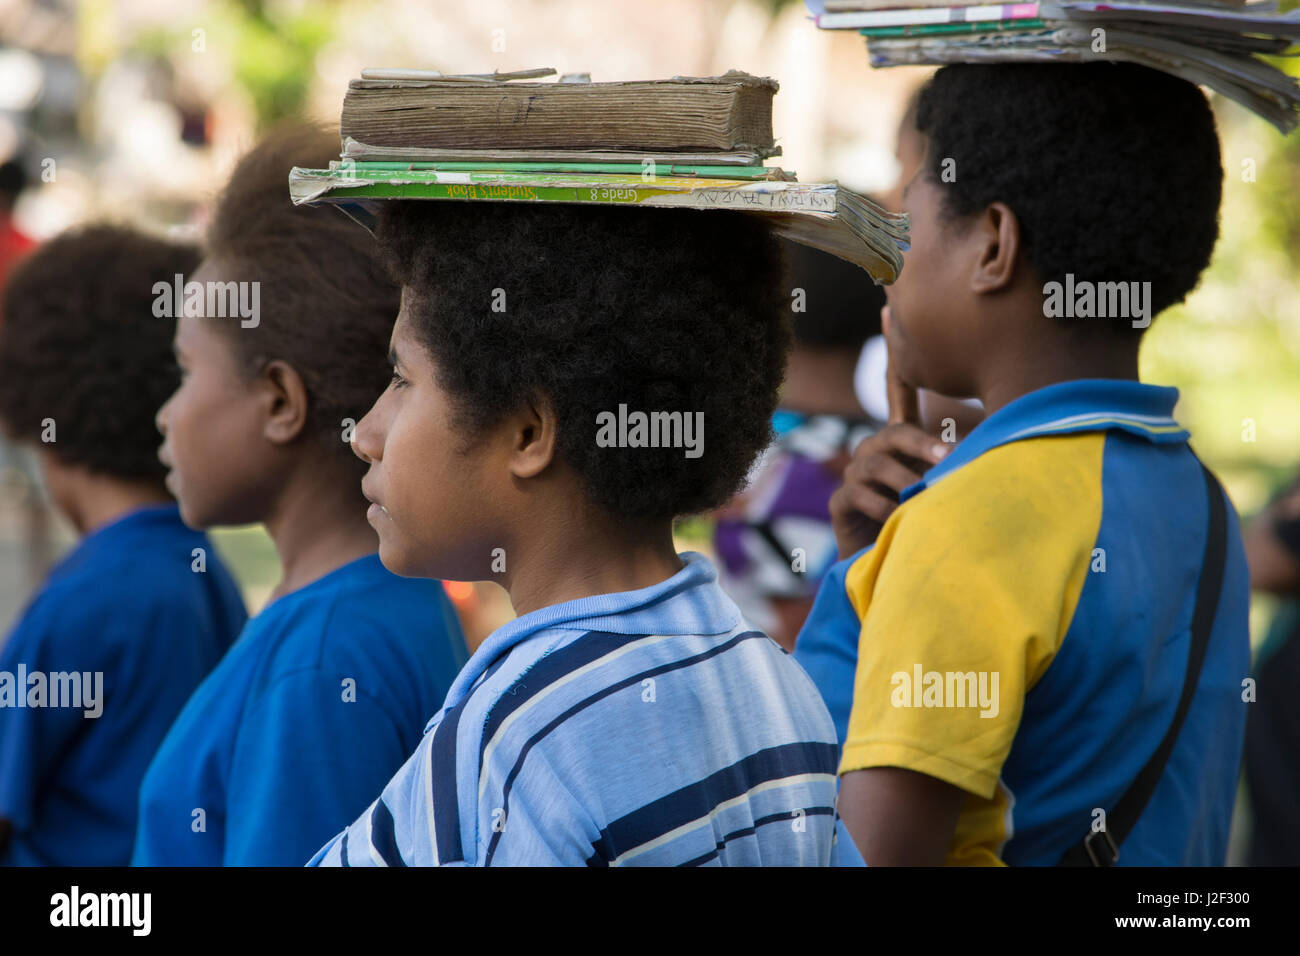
(276, 53)
(1233, 347)
(271, 49)
(251, 557)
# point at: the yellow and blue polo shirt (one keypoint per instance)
(1020, 630)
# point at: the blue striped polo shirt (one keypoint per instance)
(1020, 629)
(650, 727)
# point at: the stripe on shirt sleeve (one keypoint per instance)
(700, 800)
(442, 786)
(783, 817)
(382, 837)
(442, 778)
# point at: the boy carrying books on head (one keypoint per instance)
(1016, 625)
(629, 715)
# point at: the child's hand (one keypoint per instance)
(882, 466)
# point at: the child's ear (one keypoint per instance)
(998, 233)
(533, 439)
(285, 402)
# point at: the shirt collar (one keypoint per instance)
(1082, 405)
(165, 513)
(106, 535)
(689, 602)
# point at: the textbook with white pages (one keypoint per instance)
(1220, 44)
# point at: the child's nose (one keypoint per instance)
(365, 443)
(160, 419)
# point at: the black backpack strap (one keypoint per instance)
(1101, 847)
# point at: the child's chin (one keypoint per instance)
(437, 564)
(393, 559)
(193, 517)
(909, 367)
(400, 562)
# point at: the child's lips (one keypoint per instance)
(375, 508)
(169, 478)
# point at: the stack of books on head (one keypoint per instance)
(1214, 43)
(688, 142)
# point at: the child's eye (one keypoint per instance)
(397, 381)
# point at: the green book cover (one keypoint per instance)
(933, 29)
(406, 183)
(824, 215)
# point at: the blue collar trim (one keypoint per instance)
(1082, 405)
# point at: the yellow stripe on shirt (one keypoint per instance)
(968, 593)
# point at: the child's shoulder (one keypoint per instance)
(1015, 494)
(1022, 516)
(360, 619)
(1011, 475)
(571, 675)
(103, 593)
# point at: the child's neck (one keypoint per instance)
(318, 524)
(567, 557)
(820, 382)
(101, 501)
(1027, 365)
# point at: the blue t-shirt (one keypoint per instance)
(318, 703)
(123, 630)
(644, 728)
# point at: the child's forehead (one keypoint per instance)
(211, 269)
(402, 321)
(403, 342)
(196, 334)
(919, 182)
(413, 306)
(207, 339)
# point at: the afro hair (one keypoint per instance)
(658, 310)
(1112, 169)
(80, 345)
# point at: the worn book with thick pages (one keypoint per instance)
(728, 113)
